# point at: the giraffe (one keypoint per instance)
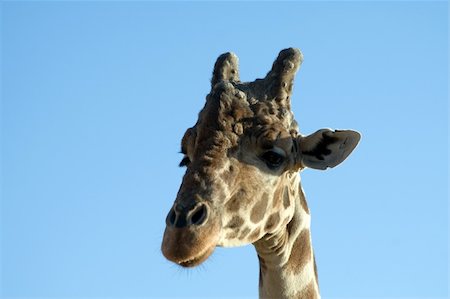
(242, 183)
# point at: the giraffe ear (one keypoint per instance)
(326, 148)
(226, 69)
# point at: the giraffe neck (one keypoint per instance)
(286, 258)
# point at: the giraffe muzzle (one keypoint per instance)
(191, 234)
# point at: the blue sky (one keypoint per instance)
(97, 95)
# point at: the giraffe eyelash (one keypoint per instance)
(185, 161)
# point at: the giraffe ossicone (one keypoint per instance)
(242, 183)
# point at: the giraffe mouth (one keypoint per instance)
(189, 248)
(197, 260)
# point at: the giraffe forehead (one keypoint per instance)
(230, 112)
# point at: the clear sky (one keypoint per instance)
(97, 95)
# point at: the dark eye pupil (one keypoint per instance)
(272, 159)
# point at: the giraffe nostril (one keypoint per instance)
(199, 216)
(171, 218)
(180, 218)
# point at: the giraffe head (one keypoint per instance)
(240, 156)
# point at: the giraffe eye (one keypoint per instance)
(272, 159)
(185, 161)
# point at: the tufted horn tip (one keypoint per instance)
(226, 68)
(287, 63)
(293, 55)
(279, 80)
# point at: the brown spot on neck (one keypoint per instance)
(235, 222)
(272, 221)
(235, 202)
(301, 252)
(244, 233)
(278, 197)
(259, 209)
(254, 235)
